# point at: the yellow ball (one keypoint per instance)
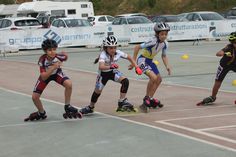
(185, 56)
(234, 82)
(156, 62)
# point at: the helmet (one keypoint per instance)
(48, 44)
(232, 37)
(110, 41)
(161, 27)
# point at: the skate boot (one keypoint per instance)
(36, 116)
(146, 104)
(155, 103)
(207, 101)
(125, 106)
(71, 112)
(87, 110)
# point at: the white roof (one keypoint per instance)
(133, 14)
(20, 18)
(203, 12)
(42, 6)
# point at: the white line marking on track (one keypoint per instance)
(197, 131)
(135, 122)
(198, 117)
(226, 127)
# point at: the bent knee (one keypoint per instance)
(35, 96)
(67, 84)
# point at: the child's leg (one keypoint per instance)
(216, 88)
(68, 90)
(94, 98)
(124, 86)
(154, 82)
(38, 90)
(37, 102)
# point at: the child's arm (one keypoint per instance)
(136, 51)
(133, 64)
(46, 74)
(62, 56)
(166, 63)
(132, 61)
(220, 53)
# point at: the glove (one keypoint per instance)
(228, 54)
(138, 71)
(114, 66)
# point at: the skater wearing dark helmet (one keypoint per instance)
(227, 63)
(50, 70)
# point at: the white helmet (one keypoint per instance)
(161, 27)
(110, 41)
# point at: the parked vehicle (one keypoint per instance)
(19, 23)
(231, 14)
(131, 20)
(66, 9)
(204, 16)
(101, 20)
(70, 22)
(168, 18)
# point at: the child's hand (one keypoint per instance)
(114, 66)
(168, 70)
(56, 65)
(138, 71)
(130, 67)
(62, 56)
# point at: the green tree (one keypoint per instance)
(152, 3)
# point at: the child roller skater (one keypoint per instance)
(50, 70)
(149, 50)
(227, 63)
(108, 70)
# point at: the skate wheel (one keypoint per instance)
(79, 115)
(144, 108)
(199, 104)
(65, 115)
(26, 119)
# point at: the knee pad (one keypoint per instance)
(95, 97)
(124, 85)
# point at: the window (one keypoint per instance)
(196, 17)
(211, 16)
(61, 24)
(6, 23)
(190, 17)
(84, 5)
(27, 23)
(71, 11)
(116, 21)
(84, 15)
(110, 18)
(58, 12)
(55, 23)
(1, 23)
(102, 19)
(91, 19)
(123, 21)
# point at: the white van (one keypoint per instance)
(63, 9)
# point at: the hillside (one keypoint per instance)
(152, 7)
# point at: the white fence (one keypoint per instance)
(93, 36)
